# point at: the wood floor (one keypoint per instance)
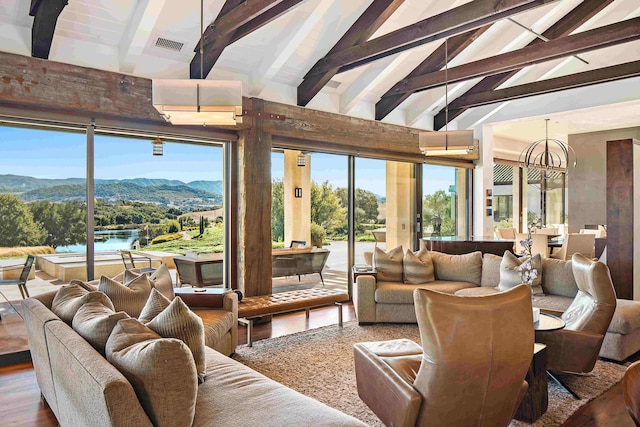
(20, 403)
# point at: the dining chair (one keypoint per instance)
(506, 233)
(24, 276)
(576, 243)
(590, 231)
(129, 262)
(540, 244)
(546, 230)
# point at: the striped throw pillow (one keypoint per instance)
(70, 298)
(94, 322)
(154, 306)
(129, 297)
(418, 267)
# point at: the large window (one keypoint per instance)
(444, 201)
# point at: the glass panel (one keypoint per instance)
(503, 190)
(42, 190)
(444, 201)
(371, 208)
(555, 199)
(531, 200)
(158, 205)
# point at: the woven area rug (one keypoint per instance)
(319, 364)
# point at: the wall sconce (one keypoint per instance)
(157, 146)
(302, 159)
(297, 193)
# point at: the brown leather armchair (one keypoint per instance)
(470, 370)
(576, 347)
(631, 390)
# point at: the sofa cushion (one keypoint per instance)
(178, 321)
(402, 293)
(458, 268)
(418, 267)
(510, 276)
(490, 270)
(94, 322)
(388, 264)
(70, 298)
(626, 318)
(161, 371)
(129, 297)
(555, 303)
(557, 278)
(155, 304)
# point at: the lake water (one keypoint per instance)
(106, 240)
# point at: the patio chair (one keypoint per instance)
(24, 276)
(129, 262)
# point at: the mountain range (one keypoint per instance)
(172, 193)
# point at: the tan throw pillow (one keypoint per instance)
(418, 267)
(129, 297)
(510, 277)
(388, 264)
(70, 298)
(161, 371)
(85, 285)
(458, 268)
(161, 280)
(94, 322)
(154, 306)
(178, 321)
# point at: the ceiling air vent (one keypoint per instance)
(169, 44)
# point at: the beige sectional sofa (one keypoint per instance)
(83, 388)
(477, 274)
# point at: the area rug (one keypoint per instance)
(319, 364)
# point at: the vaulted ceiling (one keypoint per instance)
(375, 59)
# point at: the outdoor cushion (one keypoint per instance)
(510, 277)
(418, 267)
(129, 297)
(388, 264)
(94, 322)
(161, 371)
(458, 268)
(178, 321)
(70, 298)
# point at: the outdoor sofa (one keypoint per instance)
(380, 300)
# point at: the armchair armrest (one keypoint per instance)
(365, 299)
(569, 350)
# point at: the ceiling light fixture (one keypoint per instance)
(198, 101)
(447, 143)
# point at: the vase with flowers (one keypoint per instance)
(528, 273)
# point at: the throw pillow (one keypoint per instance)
(490, 270)
(388, 264)
(510, 276)
(161, 371)
(154, 306)
(70, 298)
(418, 267)
(178, 321)
(458, 268)
(85, 285)
(129, 297)
(161, 280)
(94, 322)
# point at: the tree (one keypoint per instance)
(17, 227)
(65, 223)
(437, 213)
(366, 206)
(326, 210)
(277, 210)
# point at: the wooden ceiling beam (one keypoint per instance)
(597, 38)
(364, 27)
(565, 26)
(433, 62)
(237, 19)
(45, 17)
(447, 24)
(556, 84)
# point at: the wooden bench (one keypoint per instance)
(254, 307)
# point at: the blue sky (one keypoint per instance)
(41, 154)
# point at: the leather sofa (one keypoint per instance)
(83, 388)
(379, 301)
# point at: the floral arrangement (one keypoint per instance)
(526, 271)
